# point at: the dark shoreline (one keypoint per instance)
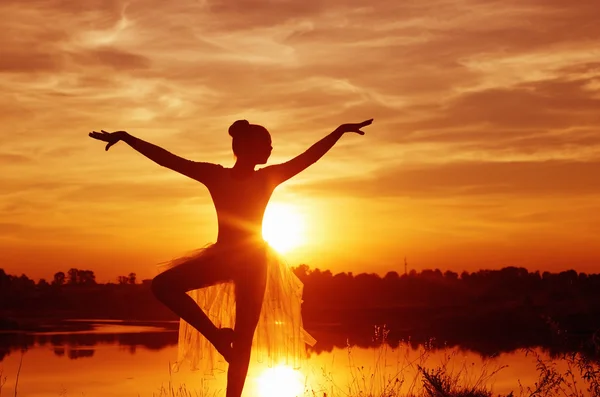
(57, 324)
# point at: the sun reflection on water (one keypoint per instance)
(280, 381)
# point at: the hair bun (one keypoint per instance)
(238, 127)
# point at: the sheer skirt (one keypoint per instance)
(279, 337)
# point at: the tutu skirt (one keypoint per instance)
(279, 337)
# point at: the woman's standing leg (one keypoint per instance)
(249, 295)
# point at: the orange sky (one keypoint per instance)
(485, 149)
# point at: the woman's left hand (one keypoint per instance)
(354, 127)
(110, 137)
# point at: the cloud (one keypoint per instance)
(13, 159)
(112, 58)
(57, 234)
(152, 192)
(556, 178)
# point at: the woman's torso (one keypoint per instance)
(240, 203)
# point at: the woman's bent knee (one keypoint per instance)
(159, 286)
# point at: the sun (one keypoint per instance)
(280, 381)
(283, 227)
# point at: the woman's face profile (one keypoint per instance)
(262, 148)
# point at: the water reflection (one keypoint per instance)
(156, 336)
(280, 381)
(81, 343)
(126, 363)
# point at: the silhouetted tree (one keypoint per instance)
(86, 277)
(432, 274)
(131, 278)
(391, 276)
(22, 282)
(4, 280)
(59, 279)
(72, 276)
(301, 272)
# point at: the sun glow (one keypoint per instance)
(283, 227)
(280, 381)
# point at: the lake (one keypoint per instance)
(112, 358)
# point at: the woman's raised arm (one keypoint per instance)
(195, 170)
(281, 172)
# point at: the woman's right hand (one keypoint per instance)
(110, 137)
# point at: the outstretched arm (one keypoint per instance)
(284, 171)
(160, 156)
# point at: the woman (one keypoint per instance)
(239, 281)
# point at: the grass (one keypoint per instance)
(182, 391)
(580, 377)
(3, 379)
(409, 377)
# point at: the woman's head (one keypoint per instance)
(251, 142)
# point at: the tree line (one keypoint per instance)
(73, 276)
(424, 286)
(323, 290)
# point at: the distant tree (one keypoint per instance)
(22, 282)
(4, 280)
(131, 278)
(450, 275)
(391, 276)
(547, 275)
(320, 278)
(535, 275)
(123, 280)
(72, 278)
(59, 279)
(301, 272)
(42, 283)
(568, 277)
(367, 278)
(511, 273)
(86, 277)
(343, 277)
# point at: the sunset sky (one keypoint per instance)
(484, 152)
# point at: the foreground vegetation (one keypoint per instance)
(566, 375)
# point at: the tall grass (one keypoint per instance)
(408, 377)
(3, 379)
(581, 378)
(182, 391)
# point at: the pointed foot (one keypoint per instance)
(224, 343)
